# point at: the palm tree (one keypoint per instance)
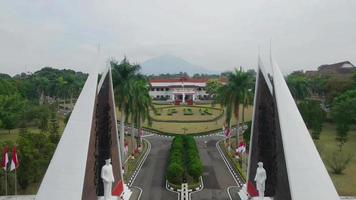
(248, 100)
(140, 104)
(232, 94)
(122, 73)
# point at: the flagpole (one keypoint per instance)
(15, 182)
(5, 182)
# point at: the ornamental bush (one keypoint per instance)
(175, 173)
(195, 169)
(184, 160)
(194, 165)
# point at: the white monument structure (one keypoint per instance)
(260, 179)
(90, 137)
(281, 140)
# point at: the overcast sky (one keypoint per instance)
(217, 35)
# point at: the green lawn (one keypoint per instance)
(177, 128)
(12, 136)
(197, 113)
(346, 182)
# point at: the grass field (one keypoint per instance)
(13, 135)
(197, 113)
(345, 183)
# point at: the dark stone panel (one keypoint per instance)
(89, 188)
(282, 188)
(103, 139)
(266, 145)
(103, 143)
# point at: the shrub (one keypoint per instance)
(175, 173)
(338, 161)
(184, 155)
(195, 169)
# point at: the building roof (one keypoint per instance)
(335, 66)
(345, 68)
(184, 79)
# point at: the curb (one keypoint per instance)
(236, 177)
(138, 168)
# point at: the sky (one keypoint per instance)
(215, 34)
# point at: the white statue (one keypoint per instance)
(108, 178)
(260, 180)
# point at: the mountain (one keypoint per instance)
(171, 64)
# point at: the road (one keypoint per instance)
(151, 178)
(216, 177)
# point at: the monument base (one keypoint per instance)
(244, 195)
(112, 198)
(127, 193)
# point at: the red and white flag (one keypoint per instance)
(14, 161)
(227, 132)
(241, 148)
(5, 158)
(126, 147)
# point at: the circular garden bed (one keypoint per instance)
(186, 114)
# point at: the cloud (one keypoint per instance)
(213, 34)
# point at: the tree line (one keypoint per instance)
(25, 98)
(30, 103)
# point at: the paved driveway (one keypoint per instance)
(216, 177)
(151, 177)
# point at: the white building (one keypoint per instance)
(179, 90)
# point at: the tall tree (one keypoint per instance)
(313, 115)
(232, 94)
(142, 103)
(139, 105)
(298, 85)
(343, 113)
(335, 86)
(11, 110)
(122, 73)
(212, 86)
(247, 101)
(53, 128)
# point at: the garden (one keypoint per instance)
(187, 114)
(184, 164)
(196, 124)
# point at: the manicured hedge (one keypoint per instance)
(187, 111)
(175, 169)
(194, 164)
(184, 160)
